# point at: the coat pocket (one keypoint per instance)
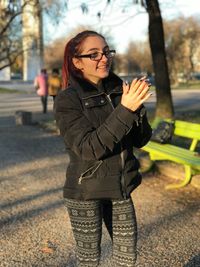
(89, 172)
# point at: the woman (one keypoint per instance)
(54, 83)
(41, 86)
(101, 120)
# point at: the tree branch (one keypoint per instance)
(122, 22)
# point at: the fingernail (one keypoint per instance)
(143, 78)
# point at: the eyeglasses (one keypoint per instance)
(96, 56)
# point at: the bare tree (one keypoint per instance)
(192, 40)
(140, 55)
(10, 45)
(11, 25)
(182, 37)
(174, 43)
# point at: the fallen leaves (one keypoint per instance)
(49, 247)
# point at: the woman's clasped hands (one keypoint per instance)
(135, 94)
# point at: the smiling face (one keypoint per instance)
(93, 70)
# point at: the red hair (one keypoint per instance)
(72, 49)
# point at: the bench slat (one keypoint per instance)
(171, 148)
(170, 152)
(187, 129)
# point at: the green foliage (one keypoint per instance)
(188, 85)
(8, 91)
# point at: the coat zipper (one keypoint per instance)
(121, 156)
(82, 177)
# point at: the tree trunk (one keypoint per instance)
(164, 104)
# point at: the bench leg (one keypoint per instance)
(188, 176)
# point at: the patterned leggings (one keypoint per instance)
(120, 220)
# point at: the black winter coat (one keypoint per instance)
(99, 134)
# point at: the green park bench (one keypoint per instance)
(187, 157)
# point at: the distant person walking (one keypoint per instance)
(41, 86)
(54, 83)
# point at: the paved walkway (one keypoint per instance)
(34, 226)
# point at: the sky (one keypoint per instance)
(123, 23)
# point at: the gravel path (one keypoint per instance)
(34, 225)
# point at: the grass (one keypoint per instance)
(191, 116)
(188, 85)
(7, 91)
